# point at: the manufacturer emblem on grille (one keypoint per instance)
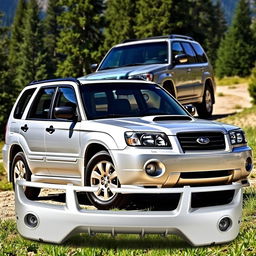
(203, 140)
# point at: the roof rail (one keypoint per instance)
(160, 37)
(69, 79)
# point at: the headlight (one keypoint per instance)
(146, 139)
(146, 77)
(237, 137)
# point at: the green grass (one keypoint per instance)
(232, 80)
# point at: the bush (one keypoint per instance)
(252, 86)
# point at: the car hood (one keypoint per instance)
(170, 127)
(122, 72)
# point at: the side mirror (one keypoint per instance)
(65, 112)
(94, 67)
(181, 59)
(191, 109)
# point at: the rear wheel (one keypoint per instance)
(101, 174)
(21, 171)
(205, 108)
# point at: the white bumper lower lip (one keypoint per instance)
(199, 226)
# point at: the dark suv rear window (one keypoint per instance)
(23, 101)
(199, 53)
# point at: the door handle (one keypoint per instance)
(50, 129)
(24, 128)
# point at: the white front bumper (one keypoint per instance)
(199, 226)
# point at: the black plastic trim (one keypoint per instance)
(67, 79)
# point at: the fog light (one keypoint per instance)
(31, 220)
(224, 224)
(248, 164)
(154, 168)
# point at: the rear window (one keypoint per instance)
(201, 57)
(23, 101)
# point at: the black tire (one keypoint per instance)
(19, 161)
(103, 180)
(204, 109)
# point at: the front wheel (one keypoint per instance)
(100, 173)
(21, 171)
(205, 108)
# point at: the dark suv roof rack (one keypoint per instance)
(172, 36)
(70, 79)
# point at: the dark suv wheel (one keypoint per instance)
(20, 170)
(101, 173)
(205, 108)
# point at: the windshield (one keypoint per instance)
(139, 54)
(127, 100)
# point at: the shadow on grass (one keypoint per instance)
(216, 117)
(105, 241)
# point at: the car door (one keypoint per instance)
(62, 139)
(194, 71)
(203, 70)
(180, 74)
(32, 130)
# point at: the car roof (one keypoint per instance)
(81, 81)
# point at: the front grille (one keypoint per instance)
(205, 175)
(188, 141)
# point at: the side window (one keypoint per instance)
(190, 53)
(42, 103)
(199, 53)
(176, 49)
(66, 97)
(23, 101)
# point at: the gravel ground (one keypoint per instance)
(229, 99)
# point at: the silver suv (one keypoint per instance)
(120, 133)
(177, 63)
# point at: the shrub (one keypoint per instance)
(252, 86)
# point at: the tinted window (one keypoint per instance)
(177, 49)
(42, 103)
(139, 54)
(199, 53)
(127, 100)
(23, 101)
(190, 53)
(66, 97)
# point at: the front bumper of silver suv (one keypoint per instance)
(56, 223)
(179, 169)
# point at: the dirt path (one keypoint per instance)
(229, 100)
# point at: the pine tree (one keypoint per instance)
(16, 40)
(235, 53)
(80, 36)
(153, 18)
(51, 34)
(33, 65)
(6, 94)
(120, 21)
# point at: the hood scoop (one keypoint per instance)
(171, 118)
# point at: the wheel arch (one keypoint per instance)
(93, 149)
(209, 83)
(15, 149)
(168, 85)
